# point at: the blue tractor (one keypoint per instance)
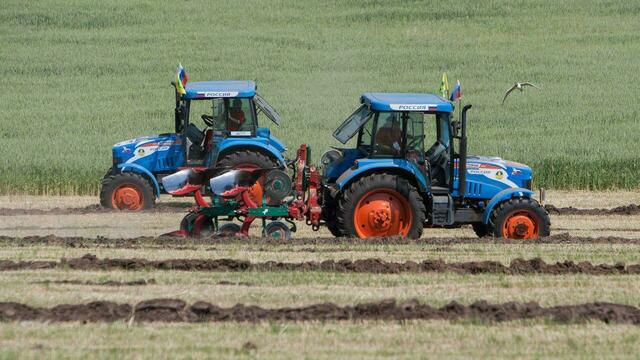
(227, 135)
(390, 184)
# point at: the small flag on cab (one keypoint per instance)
(181, 80)
(457, 92)
(444, 86)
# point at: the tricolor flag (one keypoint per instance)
(181, 80)
(457, 92)
(444, 86)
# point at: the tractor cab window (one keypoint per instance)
(388, 134)
(444, 132)
(353, 124)
(234, 115)
(241, 119)
(438, 155)
(219, 118)
(415, 137)
(365, 137)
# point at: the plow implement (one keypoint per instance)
(240, 196)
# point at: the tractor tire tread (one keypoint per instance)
(111, 181)
(239, 157)
(508, 206)
(350, 197)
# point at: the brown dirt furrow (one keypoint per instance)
(138, 282)
(631, 209)
(189, 244)
(373, 265)
(169, 207)
(176, 310)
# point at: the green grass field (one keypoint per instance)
(79, 76)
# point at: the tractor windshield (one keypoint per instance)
(353, 123)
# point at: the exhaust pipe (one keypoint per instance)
(462, 161)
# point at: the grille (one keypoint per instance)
(474, 188)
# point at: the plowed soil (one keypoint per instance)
(166, 207)
(179, 243)
(373, 265)
(631, 209)
(139, 282)
(175, 310)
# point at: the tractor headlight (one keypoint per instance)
(330, 156)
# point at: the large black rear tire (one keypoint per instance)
(380, 205)
(246, 157)
(329, 209)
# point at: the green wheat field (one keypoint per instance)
(79, 76)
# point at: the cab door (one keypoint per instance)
(219, 131)
(414, 138)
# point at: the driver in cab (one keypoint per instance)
(389, 136)
(236, 115)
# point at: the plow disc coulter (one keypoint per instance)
(242, 195)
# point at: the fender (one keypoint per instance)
(368, 165)
(504, 195)
(141, 170)
(230, 143)
(266, 134)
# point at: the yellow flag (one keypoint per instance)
(444, 86)
(180, 76)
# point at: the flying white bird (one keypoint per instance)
(520, 86)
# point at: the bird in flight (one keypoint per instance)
(520, 86)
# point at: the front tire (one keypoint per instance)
(126, 191)
(381, 205)
(521, 218)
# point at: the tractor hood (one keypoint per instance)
(496, 174)
(149, 150)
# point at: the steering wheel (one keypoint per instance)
(208, 119)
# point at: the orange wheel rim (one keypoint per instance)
(382, 212)
(127, 197)
(520, 225)
(257, 190)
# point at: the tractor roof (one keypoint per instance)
(218, 89)
(406, 102)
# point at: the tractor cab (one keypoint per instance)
(210, 112)
(408, 131)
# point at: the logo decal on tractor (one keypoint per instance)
(215, 94)
(413, 107)
(499, 175)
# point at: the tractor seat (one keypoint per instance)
(194, 134)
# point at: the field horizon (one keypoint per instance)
(83, 75)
